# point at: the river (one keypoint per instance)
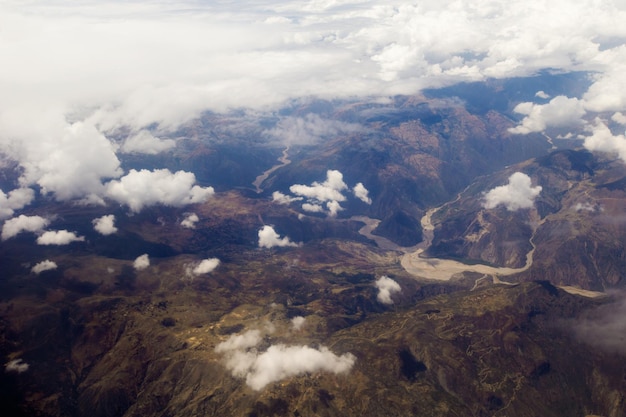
(284, 160)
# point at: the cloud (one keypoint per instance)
(517, 194)
(605, 328)
(297, 322)
(542, 94)
(386, 287)
(561, 111)
(190, 220)
(206, 266)
(603, 140)
(46, 265)
(144, 142)
(281, 198)
(16, 365)
(141, 262)
(138, 189)
(22, 223)
(105, 225)
(58, 237)
(279, 361)
(309, 129)
(328, 190)
(619, 117)
(268, 238)
(15, 200)
(362, 193)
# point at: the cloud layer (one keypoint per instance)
(517, 194)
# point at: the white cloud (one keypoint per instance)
(190, 220)
(362, 193)
(268, 238)
(542, 94)
(386, 287)
(281, 198)
(328, 190)
(141, 262)
(517, 194)
(279, 361)
(206, 266)
(58, 237)
(313, 208)
(297, 322)
(144, 142)
(46, 265)
(105, 225)
(14, 200)
(16, 365)
(603, 140)
(333, 208)
(22, 223)
(138, 189)
(561, 111)
(619, 117)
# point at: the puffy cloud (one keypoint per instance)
(206, 266)
(281, 198)
(144, 142)
(333, 208)
(279, 361)
(46, 265)
(189, 222)
(561, 111)
(14, 200)
(105, 225)
(141, 262)
(312, 208)
(58, 237)
(297, 322)
(386, 287)
(362, 193)
(328, 190)
(619, 117)
(309, 129)
(603, 140)
(268, 238)
(542, 94)
(16, 365)
(517, 194)
(138, 189)
(22, 223)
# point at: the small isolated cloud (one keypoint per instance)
(190, 220)
(517, 194)
(619, 117)
(312, 208)
(14, 200)
(279, 361)
(281, 198)
(105, 225)
(362, 193)
(542, 94)
(606, 327)
(58, 237)
(603, 140)
(309, 129)
(386, 287)
(206, 266)
(21, 224)
(16, 365)
(333, 207)
(297, 322)
(585, 207)
(561, 111)
(144, 142)
(142, 262)
(329, 190)
(268, 238)
(143, 188)
(46, 265)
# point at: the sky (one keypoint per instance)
(74, 75)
